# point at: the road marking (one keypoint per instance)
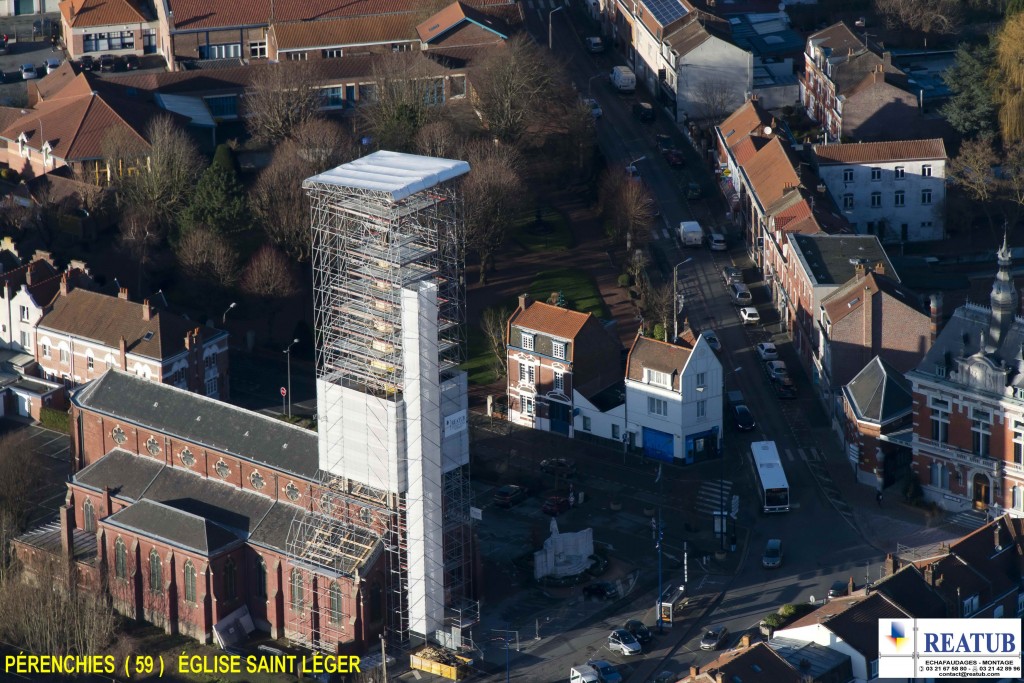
(789, 455)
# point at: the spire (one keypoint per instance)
(1003, 297)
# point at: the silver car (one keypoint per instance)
(622, 641)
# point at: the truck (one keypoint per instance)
(623, 78)
(691, 234)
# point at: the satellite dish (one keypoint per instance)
(767, 130)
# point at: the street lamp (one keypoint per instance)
(224, 318)
(288, 354)
(551, 14)
(675, 298)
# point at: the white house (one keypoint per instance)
(642, 26)
(894, 190)
(602, 415)
(674, 400)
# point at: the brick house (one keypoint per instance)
(85, 333)
(896, 190)
(968, 439)
(552, 354)
(737, 139)
(835, 62)
(117, 27)
(871, 315)
(180, 506)
(879, 109)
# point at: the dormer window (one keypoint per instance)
(528, 341)
(47, 154)
(940, 370)
(558, 350)
(661, 379)
(23, 149)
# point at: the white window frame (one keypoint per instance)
(90, 362)
(876, 173)
(876, 200)
(657, 406)
(529, 405)
(297, 56)
(23, 313)
(558, 350)
(333, 53)
(847, 175)
(926, 170)
(926, 196)
(586, 423)
(900, 172)
(848, 203)
(257, 49)
(559, 382)
(527, 373)
(528, 341)
(65, 355)
(212, 388)
(658, 378)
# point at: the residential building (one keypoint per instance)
(12, 8)
(871, 315)
(28, 292)
(818, 265)
(835, 62)
(895, 190)
(640, 27)
(117, 27)
(878, 109)
(968, 440)
(877, 410)
(674, 400)
(84, 334)
(554, 354)
(756, 663)
(180, 506)
(737, 139)
(777, 49)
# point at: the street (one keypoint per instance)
(257, 380)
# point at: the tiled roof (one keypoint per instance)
(744, 150)
(177, 527)
(746, 120)
(89, 13)
(833, 259)
(51, 84)
(40, 270)
(908, 590)
(851, 296)
(453, 15)
(771, 172)
(879, 392)
(756, 664)
(826, 611)
(344, 31)
(858, 625)
(107, 319)
(838, 38)
(656, 355)
(868, 152)
(815, 662)
(553, 320)
(9, 115)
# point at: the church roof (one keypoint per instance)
(176, 527)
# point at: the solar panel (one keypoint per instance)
(665, 11)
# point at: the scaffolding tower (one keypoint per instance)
(390, 323)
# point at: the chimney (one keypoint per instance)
(147, 310)
(694, 671)
(745, 641)
(995, 532)
(860, 270)
(880, 268)
(891, 564)
(122, 347)
(936, 315)
(123, 293)
(524, 301)
(41, 255)
(28, 274)
(66, 530)
(850, 589)
(719, 677)
(64, 284)
(929, 574)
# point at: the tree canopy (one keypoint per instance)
(972, 108)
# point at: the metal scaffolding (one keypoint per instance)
(371, 245)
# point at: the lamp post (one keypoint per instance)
(224, 318)
(675, 298)
(288, 355)
(551, 15)
(631, 168)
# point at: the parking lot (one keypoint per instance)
(51, 468)
(28, 48)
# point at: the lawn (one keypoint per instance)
(553, 233)
(479, 365)
(578, 288)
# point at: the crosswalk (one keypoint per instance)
(806, 454)
(969, 519)
(712, 494)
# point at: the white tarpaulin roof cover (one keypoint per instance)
(394, 173)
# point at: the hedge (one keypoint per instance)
(57, 420)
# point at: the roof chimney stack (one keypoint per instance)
(147, 310)
(525, 301)
(694, 671)
(936, 315)
(122, 293)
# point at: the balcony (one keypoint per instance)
(960, 455)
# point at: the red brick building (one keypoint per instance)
(184, 506)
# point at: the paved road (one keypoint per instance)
(257, 379)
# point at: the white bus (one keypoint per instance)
(770, 476)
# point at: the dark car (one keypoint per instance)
(743, 417)
(639, 630)
(732, 275)
(694, 191)
(107, 63)
(555, 505)
(87, 63)
(713, 638)
(839, 589)
(508, 495)
(601, 590)
(131, 62)
(784, 387)
(669, 151)
(563, 467)
(644, 112)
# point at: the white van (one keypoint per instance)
(583, 674)
(691, 234)
(623, 78)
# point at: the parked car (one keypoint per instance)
(767, 351)
(750, 316)
(712, 339)
(28, 72)
(713, 638)
(87, 63)
(732, 275)
(666, 677)
(606, 672)
(772, 558)
(784, 387)
(52, 64)
(508, 495)
(594, 107)
(555, 505)
(601, 590)
(643, 112)
(776, 369)
(131, 62)
(694, 191)
(639, 630)
(595, 45)
(669, 151)
(741, 295)
(839, 589)
(716, 241)
(107, 63)
(560, 466)
(622, 641)
(743, 417)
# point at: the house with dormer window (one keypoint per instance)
(553, 354)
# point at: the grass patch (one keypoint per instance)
(578, 288)
(480, 362)
(553, 234)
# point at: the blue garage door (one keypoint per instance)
(657, 445)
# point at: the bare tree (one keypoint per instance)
(139, 234)
(627, 207)
(279, 203)
(208, 258)
(439, 139)
(280, 98)
(715, 98)
(269, 279)
(324, 144)
(496, 193)
(973, 171)
(405, 85)
(658, 306)
(928, 16)
(494, 322)
(18, 474)
(516, 87)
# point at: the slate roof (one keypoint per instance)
(344, 31)
(695, 33)
(272, 531)
(37, 270)
(870, 152)
(88, 13)
(811, 659)
(909, 591)
(202, 420)
(174, 526)
(553, 320)
(879, 393)
(656, 355)
(455, 15)
(127, 475)
(756, 664)
(838, 38)
(832, 259)
(858, 625)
